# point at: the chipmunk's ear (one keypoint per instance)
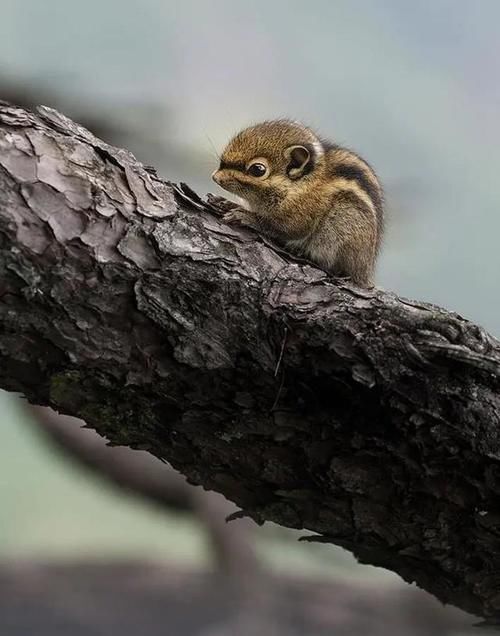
(300, 161)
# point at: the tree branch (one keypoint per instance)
(366, 418)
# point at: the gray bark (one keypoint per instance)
(368, 419)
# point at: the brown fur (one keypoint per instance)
(328, 208)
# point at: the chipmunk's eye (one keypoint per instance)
(257, 169)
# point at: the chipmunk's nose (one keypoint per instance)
(216, 176)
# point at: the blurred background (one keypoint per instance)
(94, 543)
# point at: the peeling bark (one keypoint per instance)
(369, 419)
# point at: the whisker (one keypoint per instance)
(213, 146)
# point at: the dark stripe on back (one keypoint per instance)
(354, 173)
(352, 200)
(349, 197)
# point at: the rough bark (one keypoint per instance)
(369, 419)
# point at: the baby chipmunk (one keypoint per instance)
(317, 199)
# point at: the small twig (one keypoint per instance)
(281, 352)
(278, 394)
(276, 370)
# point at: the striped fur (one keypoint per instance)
(327, 206)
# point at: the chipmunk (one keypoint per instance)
(315, 198)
